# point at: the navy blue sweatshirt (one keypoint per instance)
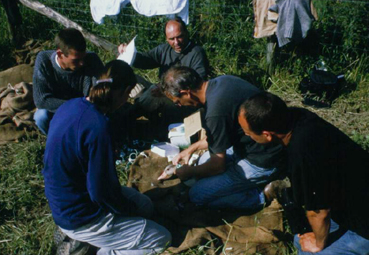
(79, 168)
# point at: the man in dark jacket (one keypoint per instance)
(178, 51)
(62, 74)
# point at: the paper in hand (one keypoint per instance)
(130, 54)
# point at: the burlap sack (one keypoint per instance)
(16, 112)
(15, 75)
(212, 231)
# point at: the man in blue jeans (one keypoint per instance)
(329, 174)
(234, 171)
(62, 74)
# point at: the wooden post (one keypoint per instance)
(271, 49)
(50, 13)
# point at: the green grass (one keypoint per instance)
(224, 28)
(26, 224)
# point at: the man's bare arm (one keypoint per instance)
(214, 166)
(320, 223)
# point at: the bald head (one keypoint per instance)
(176, 34)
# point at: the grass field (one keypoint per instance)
(224, 28)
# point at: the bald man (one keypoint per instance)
(178, 51)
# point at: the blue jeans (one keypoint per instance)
(42, 118)
(346, 243)
(237, 187)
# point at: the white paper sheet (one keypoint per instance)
(130, 54)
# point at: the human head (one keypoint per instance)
(113, 87)
(70, 48)
(179, 82)
(176, 34)
(264, 116)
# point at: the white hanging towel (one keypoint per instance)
(162, 7)
(101, 8)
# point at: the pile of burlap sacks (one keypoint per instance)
(16, 99)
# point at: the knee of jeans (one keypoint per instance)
(42, 119)
(196, 196)
(296, 242)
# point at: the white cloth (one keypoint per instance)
(101, 8)
(117, 235)
(264, 26)
(162, 7)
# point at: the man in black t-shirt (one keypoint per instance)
(329, 173)
(236, 168)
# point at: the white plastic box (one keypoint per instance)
(165, 149)
(177, 135)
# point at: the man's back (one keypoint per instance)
(224, 96)
(329, 171)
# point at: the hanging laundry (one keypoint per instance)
(162, 7)
(265, 21)
(294, 20)
(101, 8)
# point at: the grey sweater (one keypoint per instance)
(52, 85)
(163, 56)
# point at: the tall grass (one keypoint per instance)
(225, 29)
(26, 225)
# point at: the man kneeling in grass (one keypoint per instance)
(329, 173)
(235, 170)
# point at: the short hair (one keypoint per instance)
(181, 22)
(116, 77)
(266, 112)
(70, 38)
(179, 78)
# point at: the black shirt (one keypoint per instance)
(224, 95)
(164, 57)
(329, 171)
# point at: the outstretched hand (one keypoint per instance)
(308, 242)
(183, 156)
(122, 48)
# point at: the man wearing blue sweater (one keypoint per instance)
(62, 74)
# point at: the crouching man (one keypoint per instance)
(329, 173)
(232, 174)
